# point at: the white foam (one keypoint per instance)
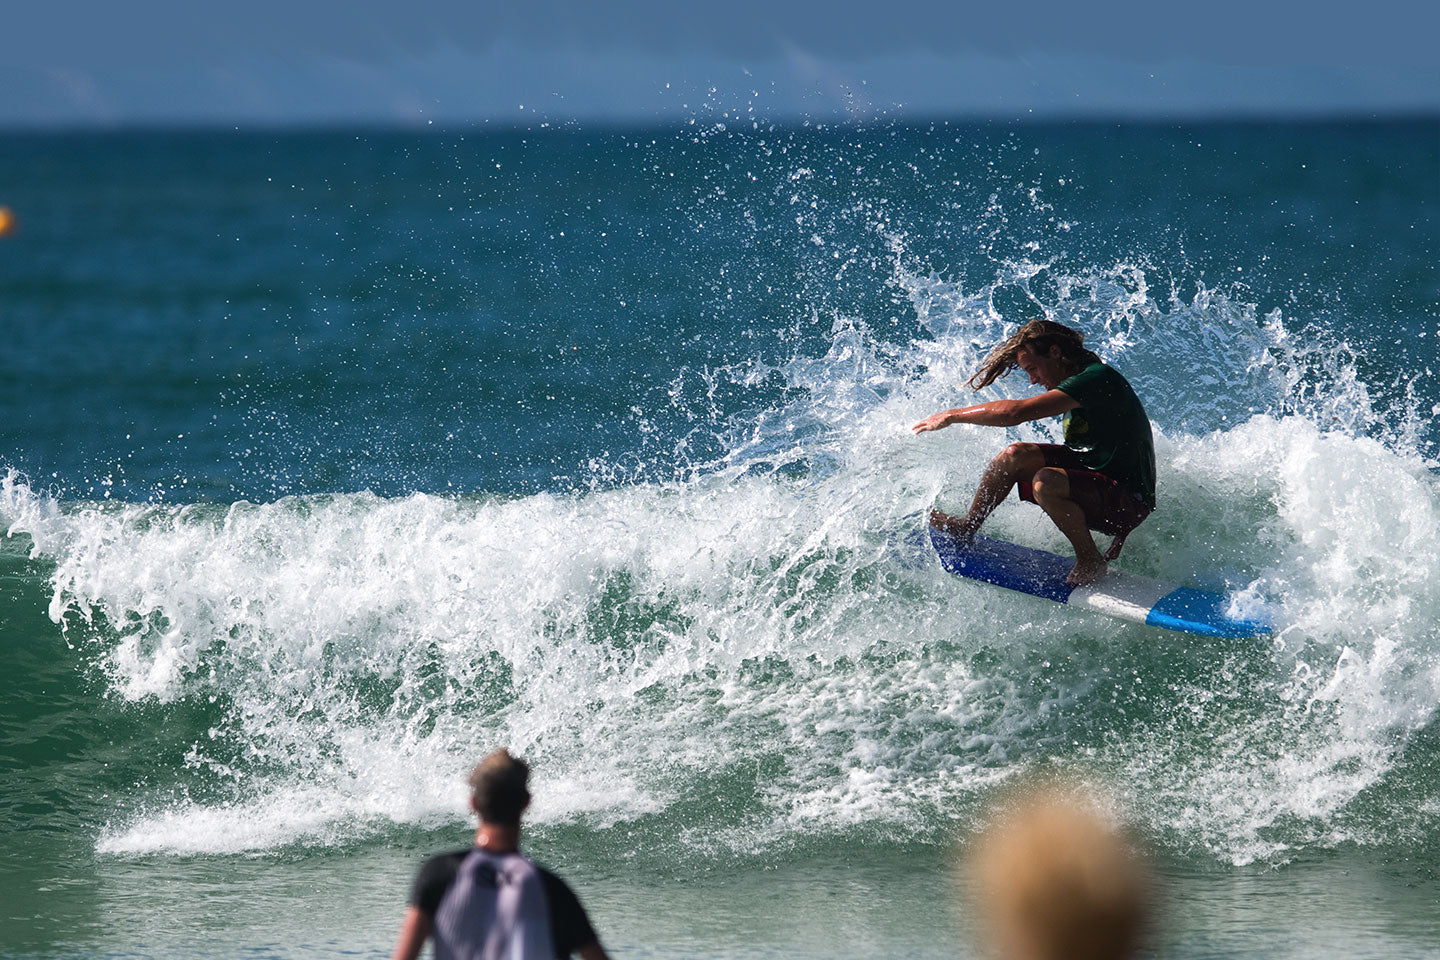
(752, 624)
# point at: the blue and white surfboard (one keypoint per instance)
(1127, 596)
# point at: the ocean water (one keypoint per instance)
(333, 460)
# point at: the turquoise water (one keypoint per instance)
(335, 459)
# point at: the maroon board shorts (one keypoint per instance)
(1109, 507)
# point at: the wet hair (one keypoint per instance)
(1039, 337)
(499, 787)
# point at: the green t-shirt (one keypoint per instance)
(1109, 431)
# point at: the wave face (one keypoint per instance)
(743, 654)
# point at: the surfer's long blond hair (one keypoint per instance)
(1037, 336)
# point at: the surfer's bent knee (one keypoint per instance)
(1020, 455)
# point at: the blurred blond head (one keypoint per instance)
(1054, 878)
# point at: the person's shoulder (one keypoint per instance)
(551, 879)
(572, 929)
(435, 876)
(1108, 374)
(450, 859)
(557, 891)
(1089, 374)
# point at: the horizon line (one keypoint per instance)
(1318, 117)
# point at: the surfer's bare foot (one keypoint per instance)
(1086, 572)
(957, 527)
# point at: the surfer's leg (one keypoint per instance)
(1052, 492)
(1017, 462)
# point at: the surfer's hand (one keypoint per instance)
(933, 422)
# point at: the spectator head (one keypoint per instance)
(1054, 878)
(499, 788)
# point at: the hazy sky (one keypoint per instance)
(87, 62)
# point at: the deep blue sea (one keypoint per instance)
(332, 460)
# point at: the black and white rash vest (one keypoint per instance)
(495, 910)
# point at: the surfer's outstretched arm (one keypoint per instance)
(1002, 413)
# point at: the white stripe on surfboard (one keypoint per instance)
(1124, 595)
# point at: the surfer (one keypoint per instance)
(489, 901)
(1102, 478)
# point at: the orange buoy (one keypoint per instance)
(8, 223)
